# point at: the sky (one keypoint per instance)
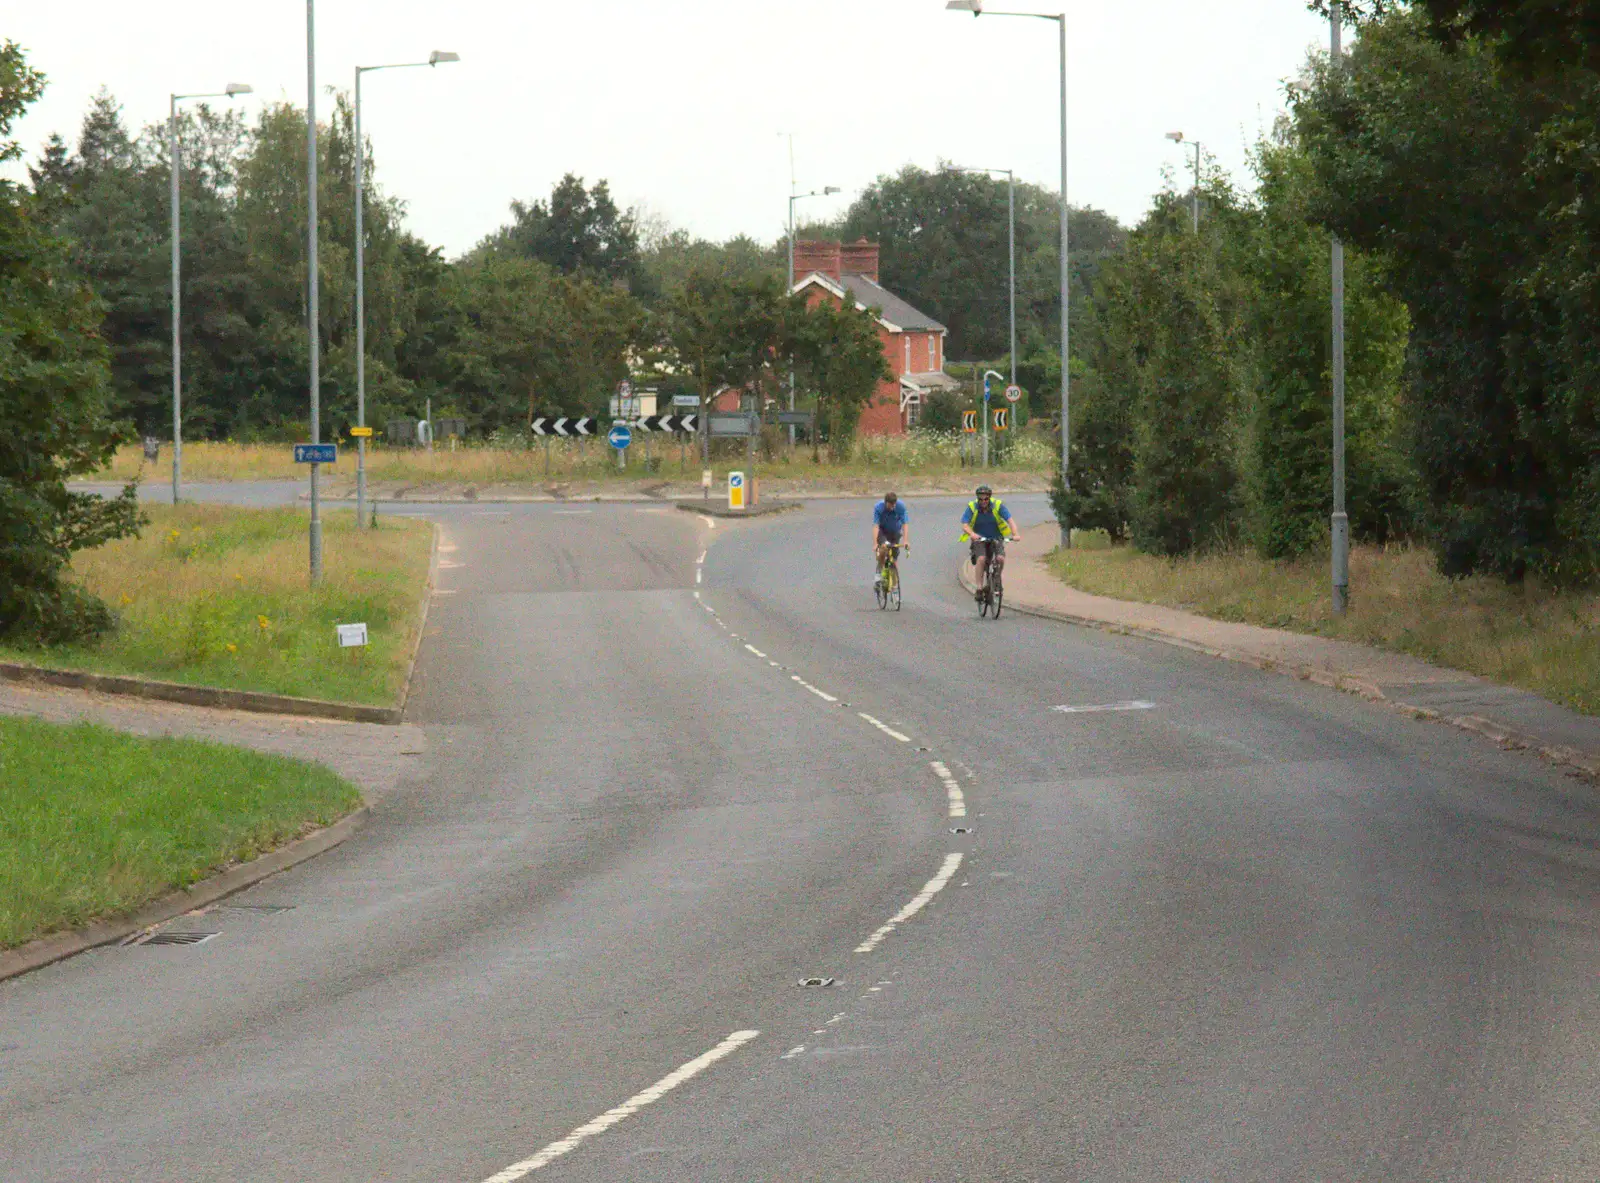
(686, 106)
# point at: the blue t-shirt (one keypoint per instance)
(985, 525)
(890, 521)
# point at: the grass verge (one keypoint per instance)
(218, 596)
(94, 823)
(927, 455)
(1530, 636)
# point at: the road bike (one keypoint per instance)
(992, 594)
(887, 586)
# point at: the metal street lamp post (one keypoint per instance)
(175, 162)
(825, 191)
(313, 327)
(1177, 138)
(1340, 522)
(1011, 243)
(434, 59)
(976, 8)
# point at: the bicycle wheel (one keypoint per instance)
(894, 586)
(983, 598)
(997, 593)
(881, 589)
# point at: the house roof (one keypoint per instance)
(931, 380)
(894, 312)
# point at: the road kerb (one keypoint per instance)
(1584, 765)
(59, 946)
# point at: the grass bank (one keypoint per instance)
(1530, 636)
(218, 596)
(94, 823)
(930, 455)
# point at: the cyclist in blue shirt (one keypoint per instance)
(889, 528)
(987, 520)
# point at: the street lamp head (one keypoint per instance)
(829, 190)
(236, 88)
(975, 7)
(1175, 136)
(442, 55)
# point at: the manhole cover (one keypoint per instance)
(815, 982)
(177, 938)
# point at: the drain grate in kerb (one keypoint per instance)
(257, 909)
(815, 982)
(177, 938)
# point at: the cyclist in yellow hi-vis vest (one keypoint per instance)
(987, 520)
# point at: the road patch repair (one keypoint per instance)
(1516, 720)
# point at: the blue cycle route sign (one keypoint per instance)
(620, 436)
(316, 454)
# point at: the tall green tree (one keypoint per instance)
(839, 360)
(55, 392)
(943, 241)
(1472, 179)
(578, 230)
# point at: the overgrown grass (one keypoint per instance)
(1530, 636)
(219, 596)
(519, 461)
(94, 823)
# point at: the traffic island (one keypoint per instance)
(719, 509)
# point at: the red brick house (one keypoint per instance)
(913, 342)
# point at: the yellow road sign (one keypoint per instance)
(969, 421)
(360, 432)
(1001, 419)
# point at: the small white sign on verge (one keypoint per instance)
(351, 634)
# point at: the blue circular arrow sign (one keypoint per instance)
(620, 435)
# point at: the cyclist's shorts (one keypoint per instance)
(892, 537)
(977, 547)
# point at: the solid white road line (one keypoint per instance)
(884, 727)
(1137, 704)
(711, 523)
(958, 803)
(698, 572)
(754, 650)
(627, 1109)
(918, 902)
(822, 694)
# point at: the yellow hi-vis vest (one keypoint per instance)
(995, 505)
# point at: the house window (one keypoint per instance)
(907, 369)
(932, 365)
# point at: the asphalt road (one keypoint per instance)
(1252, 930)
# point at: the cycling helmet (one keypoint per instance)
(984, 491)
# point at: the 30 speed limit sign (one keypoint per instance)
(1013, 393)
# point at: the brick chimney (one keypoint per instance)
(816, 256)
(859, 258)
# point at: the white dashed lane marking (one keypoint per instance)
(1137, 704)
(884, 727)
(627, 1109)
(958, 803)
(918, 902)
(822, 694)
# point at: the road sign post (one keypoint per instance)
(619, 437)
(736, 490)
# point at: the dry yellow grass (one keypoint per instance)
(1529, 636)
(219, 596)
(589, 459)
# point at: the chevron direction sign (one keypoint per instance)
(665, 423)
(563, 426)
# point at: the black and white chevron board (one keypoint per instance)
(589, 426)
(664, 423)
(562, 426)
